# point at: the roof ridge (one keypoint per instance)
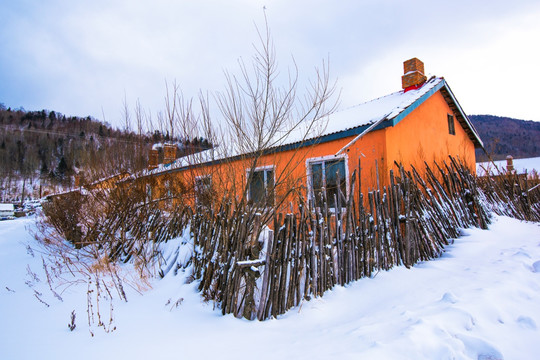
(431, 79)
(369, 101)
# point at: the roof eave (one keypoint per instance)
(454, 105)
(462, 117)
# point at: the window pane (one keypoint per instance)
(203, 190)
(316, 182)
(168, 188)
(148, 192)
(334, 172)
(203, 184)
(256, 187)
(451, 126)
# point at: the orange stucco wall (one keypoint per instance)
(423, 136)
(290, 167)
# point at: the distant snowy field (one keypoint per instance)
(521, 166)
(480, 300)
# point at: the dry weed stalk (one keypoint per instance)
(85, 237)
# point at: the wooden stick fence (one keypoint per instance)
(510, 194)
(310, 251)
(253, 272)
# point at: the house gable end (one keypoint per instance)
(454, 106)
(461, 116)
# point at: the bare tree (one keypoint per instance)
(126, 116)
(264, 110)
(261, 113)
(139, 118)
(260, 109)
(172, 101)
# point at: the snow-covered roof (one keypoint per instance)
(191, 159)
(355, 120)
(389, 107)
(7, 207)
(66, 192)
(387, 111)
(110, 177)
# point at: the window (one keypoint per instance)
(203, 183)
(261, 186)
(203, 189)
(451, 127)
(328, 176)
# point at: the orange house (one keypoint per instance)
(423, 122)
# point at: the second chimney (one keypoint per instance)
(153, 159)
(169, 153)
(413, 76)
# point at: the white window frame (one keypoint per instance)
(265, 178)
(323, 159)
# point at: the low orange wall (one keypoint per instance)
(290, 167)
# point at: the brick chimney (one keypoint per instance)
(169, 153)
(414, 74)
(153, 159)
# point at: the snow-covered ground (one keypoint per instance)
(520, 165)
(480, 300)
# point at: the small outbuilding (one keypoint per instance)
(7, 211)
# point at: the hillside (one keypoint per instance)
(43, 149)
(504, 136)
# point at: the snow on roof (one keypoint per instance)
(110, 177)
(365, 114)
(6, 207)
(191, 159)
(368, 113)
(160, 145)
(520, 165)
(388, 106)
(66, 192)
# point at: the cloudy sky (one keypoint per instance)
(83, 57)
